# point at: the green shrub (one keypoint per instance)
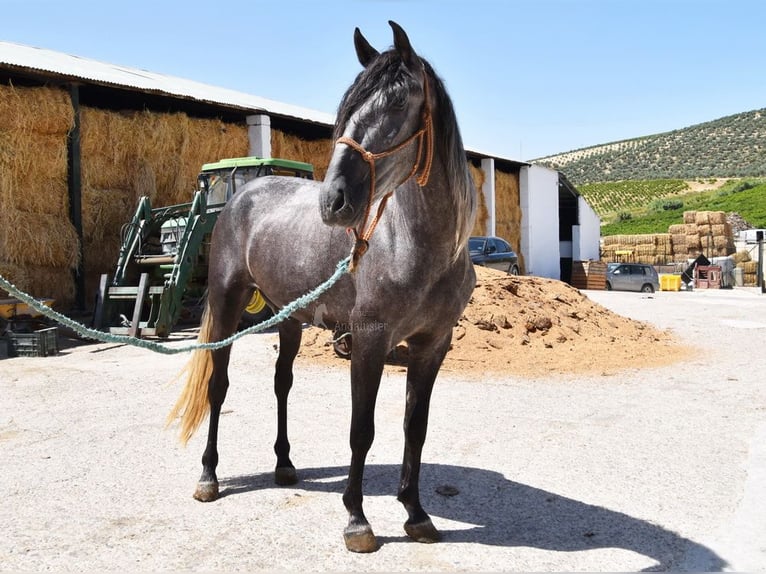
(668, 204)
(743, 186)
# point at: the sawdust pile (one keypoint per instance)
(534, 327)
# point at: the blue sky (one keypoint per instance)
(528, 78)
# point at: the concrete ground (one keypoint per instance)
(644, 469)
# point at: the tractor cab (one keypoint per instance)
(220, 180)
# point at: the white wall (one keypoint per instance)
(539, 202)
(587, 235)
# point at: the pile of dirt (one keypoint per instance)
(533, 327)
(737, 222)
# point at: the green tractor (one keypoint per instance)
(161, 272)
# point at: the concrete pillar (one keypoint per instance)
(259, 134)
(488, 189)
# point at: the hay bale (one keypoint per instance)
(205, 141)
(690, 228)
(676, 228)
(678, 241)
(105, 211)
(702, 218)
(15, 274)
(717, 217)
(749, 266)
(693, 241)
(100, 257)
(41, 281)
(720, 243)
(718, 229)
(38, 239)
(33, 172)
(662, 240)
(742, 256)
(40, 110)
(316, 152)
(54, 282)
(690, 217)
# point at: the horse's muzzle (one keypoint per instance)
(335, 206)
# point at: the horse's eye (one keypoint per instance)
(399, 102)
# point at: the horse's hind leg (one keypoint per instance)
(289, 343)
(225, 311)
(423, 365)
(207, 486)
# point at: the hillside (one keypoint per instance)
(732, 146)
(743, 200)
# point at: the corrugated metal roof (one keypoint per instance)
(41, 60)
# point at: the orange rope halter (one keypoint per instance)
(425, 137)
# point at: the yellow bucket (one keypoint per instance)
(256, 304)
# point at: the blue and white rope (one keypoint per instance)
(301, 302)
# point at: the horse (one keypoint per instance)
(399, 168)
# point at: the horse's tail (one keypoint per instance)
(193, 405)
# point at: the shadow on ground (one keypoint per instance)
(499, 512)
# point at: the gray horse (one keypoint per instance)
(399, 169)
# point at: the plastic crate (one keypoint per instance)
(42, 343)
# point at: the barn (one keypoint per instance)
(82, 140)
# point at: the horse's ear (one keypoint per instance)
(402, 44)
(364, 52)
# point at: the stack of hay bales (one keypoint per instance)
(129, 154)
(748, 266)
(650, 248)
(39, 248)
(508, 211)
(705, 232)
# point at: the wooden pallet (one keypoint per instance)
(588, 275)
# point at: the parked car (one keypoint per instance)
(493, 252)
(632, 277)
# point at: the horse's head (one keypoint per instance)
(381, 131)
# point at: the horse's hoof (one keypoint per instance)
(206, 491)
(285, 476)
(424, 531)
(360, 539)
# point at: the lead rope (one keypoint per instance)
(83, 331)
(425, 137)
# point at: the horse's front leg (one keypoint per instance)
(289, 343)
(425, 358)
(367, 361)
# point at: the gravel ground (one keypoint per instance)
(641, 469)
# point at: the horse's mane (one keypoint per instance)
(386, 70)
